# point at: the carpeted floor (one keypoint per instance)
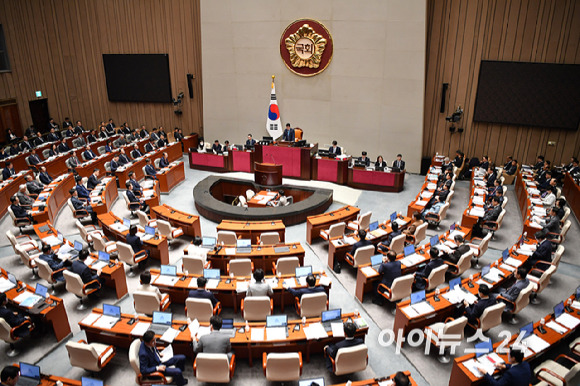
(426, 370)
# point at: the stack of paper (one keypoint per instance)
(423, 308)
(148, 193)
(27, 299)
(90, 319)
(169, 335)
(275, 333)
(337, 329)
(140, 328)
(315, 331)
(412, 259)
(349, 240)
(421, 203)
(6, 284)
(257, 334)
(478, 200)
(556, 327)
(290, 283)
(166, 280)
(568, 321)
(477, 211)
(369, 271)
(494, 275)
(431, 186)
(535, 343)
(324, 281)
(212, 283)
(51, 240)
(513, 262)
(242, 286)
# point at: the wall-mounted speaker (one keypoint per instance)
(443, 97)
(190, 85)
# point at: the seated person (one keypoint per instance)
(79, 267)
(52, 136)
(33, 158)
(552, 224)
(384, 247)
(23, 197)
(511, 169)
(250, 141)
(349, 341)
(18, 210)
(549, 196)
(33, 186)
(136, 153)
(260, 287)
(115, 163)
(45, 178)
(380, 163)
(417, 220)
(364, 159)
(53, 261)
(79, 204)
(150, 170)
(399, 163)
(217, 148)
(145, 286)
(474, 311)
(81, 190)
(14, 318)
(459, 250)
(202, 293)
(93, 180)
(136, 243)
(10, 376)
(25, 144)
(288, 134)
(542, 256)
(279, 200)
(63, 147)
(422, 274)
(135, 186)
(8, 171)
(150, 146)
(492, 213)
(92, 137)
(73, 161)
(484, 164)
(161, 142)
(123, 159)
(88, 153)
(38, 139)
(511, 294)
(518, 371)
(311, 289)
(496, 186)
(150, 360)
(201, 145)
(226, 147)
(197, 250)
(363, 242)
(214, 342)
(390, 269)
(3, 153)
(435, 208)
(134, 199)
(334, 149)
(401, 379)
(14, 149)
(164, 161)
(53, 150)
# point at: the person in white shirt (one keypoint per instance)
(196, 250)
(145, 286)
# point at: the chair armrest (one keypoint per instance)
(449, 319)
(264, 358)
(387, 289)
(24, 236)
(232, 365)
(54, 273)
(271, 305)
(228, 268)
(110, 348)
(300, 360)
(552, 373)
(82, 341)
(157, 374)
(331, 361)
(506, 300)
(242, 306)
(140, 256)
(566, 357)
(217, 309)
(91, 290)
(274, 268)
(21, 325)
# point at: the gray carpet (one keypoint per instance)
(52, 357)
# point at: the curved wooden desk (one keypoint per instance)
(56, 194)
(9, 188)
(189, 223)
(316, 223)
(171, 176)
(104, 194)
(267, 174)
(253, 229)
(375, 381)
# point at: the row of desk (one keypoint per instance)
(527, 201)
(301, 163)
(253, 229)
(428, 188)
(572, 192)
(10, 187)
(316, 223)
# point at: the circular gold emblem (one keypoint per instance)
(306, 47)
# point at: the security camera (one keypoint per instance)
(456, 116)
(180, 96)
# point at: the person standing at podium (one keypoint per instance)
(288, 134)
(335, 149)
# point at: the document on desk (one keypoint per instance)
(369, 271)
(513, 262)
(140, 328)
(401, 222)
(290, 282)
(508, 267)
(315, 331)
(556, 327)
(533, 191)
(378, 232)
(90, 319)
(536, 201)
(169, 335)
(230, 251)
(242, 286)
(22, 299)
(421, 203)
(423, 308)
(539, 211)
(568, 321)
(477, 211)
(431, 186)
(494, 275)
(148, 193)
(324, 281)
(275, 333)
(212, 283)
(257, 334)
(105, 322)
(51, 240)
(147, 184)
(6, 284)
(193, 328)
(471, 366)
(426, 194)
(411, 313)
(478, 200)
(525, 252)
(411, 260)
(456, 233)
(349, 240)
(119, 227)
(166, 280)
(535, 343)
(576, 305)
(337, 329)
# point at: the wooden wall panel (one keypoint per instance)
(56, 46)
(461, 33)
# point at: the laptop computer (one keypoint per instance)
(228, 328)
(77, 247)
(434, 240)
(127, 222)
(527, 330)
(161, 322)
(29, 375)
(211, 274)
(327, 317)
(277, 321)
(301, 273)
(168, 270)
(558, 309)
(91, 382)
(417, 297)
(484, 271)
(505, 254)
(244, 246)
(208, 242)
(149, 232)
(409, 250)
(393, 216)
(41, 290)
(454, 282)
(373, 226)
(103, 259)
(376, 261)
(578, 293)
(311, 382)
(483, 348)
(111, 314)
(452, 227)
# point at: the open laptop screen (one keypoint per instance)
(29, 371)
(303, 271)
(149, 230)
(104, 256)
(528, 329)
(41, 290)
(211, 273)
(393, 216)
(373, 226)
(331, 315)
(558, 309)
(208, 241)
(376, 259)
(91, 382)
(78, 245)
(417, 297)
(169, 270)
(454, 282)
(243, 243)
(127, 222)
(110, 310)
(162, 317)
(276, 321)
(434, 240)
(409, 250)
(483, 348)
(227, 324)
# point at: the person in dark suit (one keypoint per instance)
(93, 180)
(552, 224)
(511, 169)
(18, 210)
(518, 371)
(8, 171)
(14, 149)
(79, 129)
(66, 123)
(390, 269)
(37, 141)
(177, 134)
(136, 153)
(10, 136)
(539, 163)
(150, 146)
(484, 164)
(385, 246)
(79, 204)
(123, 159)
(250, 141)
(53, 261)
(575, 169)
(474, 311)
(63, 147)
(79, 267)
(44, 177)
(33, 158)
(492, 213)
(399, 163)
(215, 342)
(111, 126)
(150, 171)
(3, 154)
(134, 185)
(459, 250)
(108, 146)
(143, 133)
(380, 163)
(458, 161)
(150, 360)
(33, 186)
(363, 242)
(53, 150)
(542, 256)
(364, 159)
(164, 161)
(69, 132)
(52, 124)
(288, 134)
(161, 142)
(335, 149)
(311, 289)
(136, 243)
(511, 294)
(52, 136)
(349, 341)
(81, 190)
(14, 319)
(9, 376)
(92, 137)
(134, 199)
(25, 145)
(88, 153)
(73, 162)
(436, 261)
(115, 163)
(154, 135)
(202, 293)
(217, 148)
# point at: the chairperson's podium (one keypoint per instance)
(267, 174)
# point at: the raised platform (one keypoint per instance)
(214, 194)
